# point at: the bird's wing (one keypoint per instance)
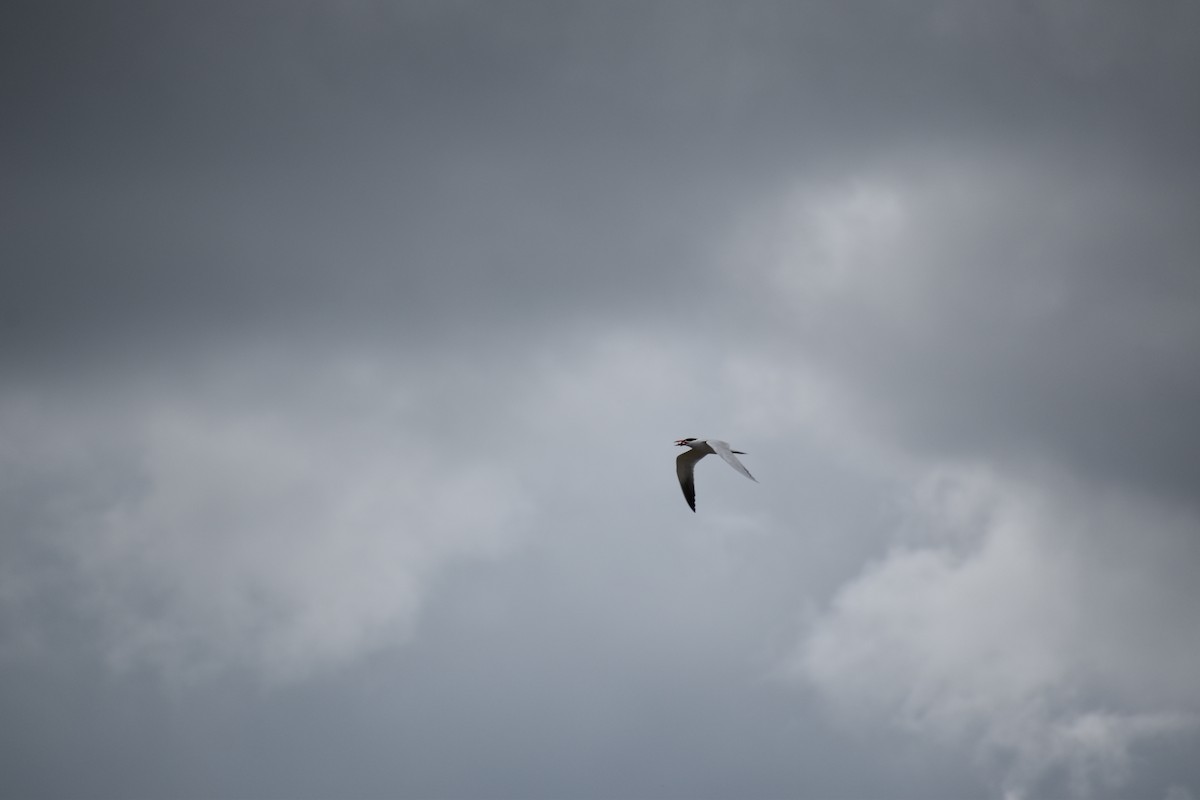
(724, 451)
(685, 463)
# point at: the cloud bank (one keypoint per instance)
(342, 348)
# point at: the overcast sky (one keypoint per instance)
(343, 346)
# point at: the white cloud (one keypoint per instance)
(280, 523)
(1011, 607)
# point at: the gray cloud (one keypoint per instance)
(986, 307)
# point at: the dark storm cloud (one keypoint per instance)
(339, 341)
(190, 171)
(184, 170)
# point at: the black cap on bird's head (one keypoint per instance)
(684, 442)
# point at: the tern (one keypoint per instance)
(685, 464)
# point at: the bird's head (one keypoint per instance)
(684, 442)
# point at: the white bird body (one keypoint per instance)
(685, 464)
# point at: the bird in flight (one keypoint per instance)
(685, 464)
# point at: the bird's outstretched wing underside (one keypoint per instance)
(685, 467)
